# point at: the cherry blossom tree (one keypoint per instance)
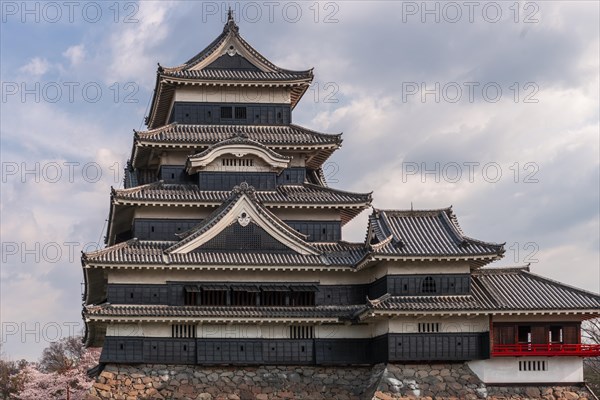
(61, 373)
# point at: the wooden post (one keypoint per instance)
(491, 334)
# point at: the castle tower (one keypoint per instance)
(225, 247)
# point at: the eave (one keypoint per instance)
(90, 264)
(204, 320)
(475, 261)
(370, 313)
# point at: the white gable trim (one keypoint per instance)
(237, 150)
(238, 48)
(244, 206)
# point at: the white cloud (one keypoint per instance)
(36, 67)
(131, 57)
(75, 54)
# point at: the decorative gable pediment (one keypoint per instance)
(243, 215)
(237, 147)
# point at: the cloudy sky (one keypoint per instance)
(491, 107)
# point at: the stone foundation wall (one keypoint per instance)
(381, 382)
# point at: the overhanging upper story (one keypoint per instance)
(228, 70)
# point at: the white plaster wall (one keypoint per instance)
(326, 278)
(447, 325)
(440, 267)
(217, 94)
(167, 274)
(173, 157)
(242, 331)
(145, 330)
(506, 370)
(537, 318)
(381, 327)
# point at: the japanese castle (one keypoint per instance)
(225, 247)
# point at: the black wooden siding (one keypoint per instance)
(173, 292)
(137, 294)
(291, 176)
(242, 351)
(438, 346)
(243, 238)
(161, 229)
(412, 285)
(318, 231)
(341, 294)
(227, 180)
(210, 113)
(343, 351)
(174, 174)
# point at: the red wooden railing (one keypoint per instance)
(550, 349)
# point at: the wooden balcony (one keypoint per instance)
(547, 350)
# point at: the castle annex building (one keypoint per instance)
(225, 247)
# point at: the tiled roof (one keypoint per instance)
(231, 30)
(160, 311)
(263, 73)
(519, 289)
(273, 136)
(350, 204)
(138, 252)
(424, 233)
(199, 137)
(428, 303)
(500, 289)
(231, 74)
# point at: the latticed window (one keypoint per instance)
(190, 299)
(302, 332)
(240, 113)
(237, 162)
(302, 299)
(213, 297)
(428, 285)
(190, 295)
(273, 298)
(244, 295)
(183, 331)
(226, 113)
(533, 365)
(429, 327)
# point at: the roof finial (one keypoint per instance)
(230, 24)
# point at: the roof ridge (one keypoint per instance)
(406, 211)
(137, 188)
(100, 252)
(330, 189)
(155, 130)
(500, 270)
(312, 131)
